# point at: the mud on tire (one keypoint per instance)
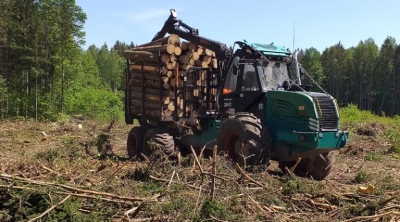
(134, 142)
(157, 143)
(244, 129)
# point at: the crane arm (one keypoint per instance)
(175, 26)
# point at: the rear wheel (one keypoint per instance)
(242, 138)
(135, 141)
(158, 143)
(318, 167)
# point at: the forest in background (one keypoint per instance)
(45, 73)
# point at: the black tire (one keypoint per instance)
(134, 142)
(161, 141)
(246, 129)
(318, 167)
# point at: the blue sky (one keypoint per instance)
(318, 24)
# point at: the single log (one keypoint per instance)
(195, 93)
(153, 48)
(184, 46)
(192, 62)
(214, 63)
(171, 49)
(165, 58)
(178, 51)
(185, 67)
(166, 100)
(184, 59)
(206, 59)
(204, 64)
(168, 113)
(165, 79)
(152, 69)
(160, 42)
(171, 106)
(171, 94)
(164, 70)
(141, 56)
(147, 83)
(208, 52)
(138, 75)
(149, 112)
(171, 65)
(155, 91)
(173, 58)
(193, 55)
(198, 63)
(148, 97)
(172, 82)
(173, 39)
(200, 50)
(167, 86)
(169, 74)
(192, 47)
(147, 104)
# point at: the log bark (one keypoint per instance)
(148, 97)
(155, 91)
(206, 59)
(165, 58)
(192, 47)
(184, 46)
(155, 113)
(160, 42)
(141, 56)
(147, 104)
(184, 59)
(146, 75)
(147, 83)
(148, 68)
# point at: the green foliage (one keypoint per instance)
(362, 176)
(292, 184)
(99, 104)
(374, 156)
(212, 208)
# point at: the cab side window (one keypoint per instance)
(231, 78)
(250, 82)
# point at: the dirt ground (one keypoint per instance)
(77, 170)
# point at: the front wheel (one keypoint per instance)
(242, 138)
(318, 167)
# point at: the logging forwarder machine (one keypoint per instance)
(261, 112)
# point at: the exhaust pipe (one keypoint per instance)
(296, 63)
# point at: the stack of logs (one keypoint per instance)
(176, 57)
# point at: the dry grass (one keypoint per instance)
(60, 172)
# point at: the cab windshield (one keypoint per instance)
(273, 74)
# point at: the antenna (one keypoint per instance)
(294, 34)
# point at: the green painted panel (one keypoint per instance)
(207, 138)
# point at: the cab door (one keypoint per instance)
(242, 91)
